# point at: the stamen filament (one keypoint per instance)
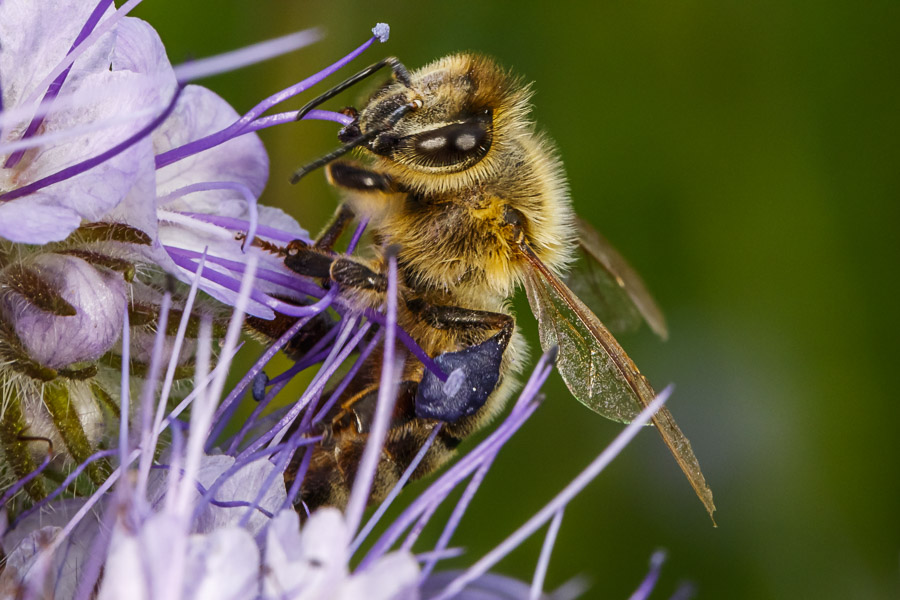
(387, 397)
(56, 84)
(559, 502)
(395, 491)
(90, 163)
(244, 57)
(239, 126)
(540, 572)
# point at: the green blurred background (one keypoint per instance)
(743, 155)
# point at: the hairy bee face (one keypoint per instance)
(451, 132)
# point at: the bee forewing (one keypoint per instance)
(605, 281)
(597, 370)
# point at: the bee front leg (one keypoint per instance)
(346, 272)
(339, 222)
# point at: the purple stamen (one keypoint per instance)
(205, 186)
(90, 163)
(356, 235)
(649, 582)
(290, 282)
(73, 55)
(294, 490)
(408, 341)
(176, 471)
(240, 225)
(241, 462)
(361, 359)
(457, 514)
(280, 464)
(387, 397)
(57, 83)
(24, 481)
(438, 556)
(243, 57)
(558, 502)
(232, 284)
(177, 343)
(419, 527)
(540, 572)
(63, 486)
(149, 389)
(251, 420)
(524, 408)
(124, 383)
(313, 390)
(204, 410)
(93, 566)
(70, 133)
(257, 367)
(331, 363)
(239, 126)
(291, 117)
(395, 491)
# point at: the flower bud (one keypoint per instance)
(56, 340)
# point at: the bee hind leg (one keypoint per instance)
(473, 372)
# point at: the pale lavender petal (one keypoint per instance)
(393, 576)
(56, 341)
(223, 565)
(324, 538)
(313, 561)
(32, 534)
(138, 559)
(95, 192)
(35, 41)
(139, 49)
(241, 160)
(138, 210)
(18, 569)
(36, 219)
(238, 489)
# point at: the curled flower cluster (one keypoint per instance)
(117, 179)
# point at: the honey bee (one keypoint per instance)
(473, 201)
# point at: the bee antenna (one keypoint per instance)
(400, 72)
(336, 153)
(357, 141)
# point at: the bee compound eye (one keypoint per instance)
(458, 144)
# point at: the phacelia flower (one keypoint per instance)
(88, 217)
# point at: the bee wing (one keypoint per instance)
(605, 281)
(597, 370)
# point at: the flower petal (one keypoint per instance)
(394, 576)
(36, 219)
(139, 49)
(35, 40)
(243, 160)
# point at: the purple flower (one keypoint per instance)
(89, 221)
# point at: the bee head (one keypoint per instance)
(439, 119)
(448, 133)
